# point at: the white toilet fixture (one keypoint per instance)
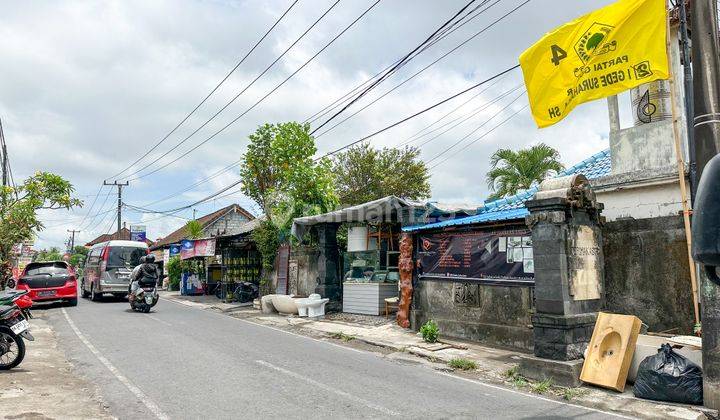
(312, 307)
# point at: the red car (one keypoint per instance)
(49, 280)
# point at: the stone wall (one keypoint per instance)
(646, 272)
(303, 272)
(493, 314)
(230, 222)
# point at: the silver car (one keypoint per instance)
(108, 267)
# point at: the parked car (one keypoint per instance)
(108, 266)
(49, 281)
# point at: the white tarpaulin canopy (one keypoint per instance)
(387, 209)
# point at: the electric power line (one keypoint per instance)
(232, 100)
(242, 60)
(496, 21)
(261, 99)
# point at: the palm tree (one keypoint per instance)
(194, 229)
(515, 171)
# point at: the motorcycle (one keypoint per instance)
(143, 298)
(14, 328)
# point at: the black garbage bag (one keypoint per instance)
(668, 376)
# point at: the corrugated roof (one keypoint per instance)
(513, 207)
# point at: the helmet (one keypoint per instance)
(150, 258)
(143, 259)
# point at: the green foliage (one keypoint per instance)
(513, 171)
(516, 378)
(52, 254)
(342, 336)
(462, 364)
(430, 331)
(77, 258)
(194, 229)
(19, 206)
(363, 173)
(542, 386)
(174, 271)
(281, 176)
(572, 393)
(267, 240)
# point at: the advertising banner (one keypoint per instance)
(484, 255)
(137, 233)
(205, 248)
(187, 249)
(166, 260)
(175, 250)
(603, 53)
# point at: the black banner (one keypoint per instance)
(480, 255)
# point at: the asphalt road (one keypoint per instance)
(183, 362)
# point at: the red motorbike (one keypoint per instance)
(14, 328)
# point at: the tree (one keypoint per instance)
(52, 254)
(194, 229)
(19, 206)
(513, 171)
(79, 253)
(281, 176)
(363, 173)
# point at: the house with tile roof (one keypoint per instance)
(123, 235)
(223, 222)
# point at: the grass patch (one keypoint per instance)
(542, 386)
(462, 364)
(516, 378)
(570, 393)
(342, 336)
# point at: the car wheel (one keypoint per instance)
(84, 292)
(94, 296)
(72, 302)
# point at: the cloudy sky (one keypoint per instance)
(88, 87)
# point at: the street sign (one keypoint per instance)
(137, 233)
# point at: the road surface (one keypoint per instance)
(181, 362)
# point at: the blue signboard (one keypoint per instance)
(175, 250)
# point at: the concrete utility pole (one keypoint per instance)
(119, 186)
(706, 124)
(4, 157)
(72, 238)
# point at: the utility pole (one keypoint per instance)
(688, 88)
(706, 125)
(72, 238)
(119, 186)
(4, 157)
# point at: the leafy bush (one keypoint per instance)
(174, 269)
(430, 331)
(462, 364)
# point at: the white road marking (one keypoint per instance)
(159, 320)
(150, 404)
(499, 388)
(328, 388)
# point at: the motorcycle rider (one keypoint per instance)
(145, 271)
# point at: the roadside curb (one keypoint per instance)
(592, 398)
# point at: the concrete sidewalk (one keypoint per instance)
(45, 385)
(493, 365)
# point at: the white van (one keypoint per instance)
(108, 267)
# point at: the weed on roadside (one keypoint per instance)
(542, 386)
(569, 393)
(342, 336)
(462, 364)
(516, 378)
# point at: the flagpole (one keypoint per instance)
(681, 168)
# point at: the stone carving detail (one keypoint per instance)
(405, 267)
(293, 272)
(466, 294)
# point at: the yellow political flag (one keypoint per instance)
(600, 54)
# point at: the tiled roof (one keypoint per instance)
(206, 220)
(123, 235)
(513, 207)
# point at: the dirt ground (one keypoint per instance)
(44, 386)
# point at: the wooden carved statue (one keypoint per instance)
(405, 267)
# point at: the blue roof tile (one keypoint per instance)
(513, 207)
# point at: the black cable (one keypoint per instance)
(426, 67)
(419, 112)
(235, 97)
(328, 108)
(211, 92)
(397, 66)
(481, 137)
(261, 99)
(475, 130)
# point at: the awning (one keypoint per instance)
(386, 209)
